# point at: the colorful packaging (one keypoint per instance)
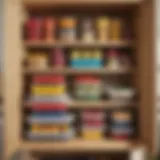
(49, 29)
(68, 29)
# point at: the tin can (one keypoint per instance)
(103, 28)
(34, 28)
(88, 31)
(116, 29)
(50, 29)
(68, 28)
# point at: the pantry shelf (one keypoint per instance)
(67, 71)
(79, 145)
(107, 104)
(44, 44)
(49, 3)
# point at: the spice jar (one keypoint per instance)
(68, 28)
(49, 29)
(103, 26)
(88, 31)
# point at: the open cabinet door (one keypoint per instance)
(12, 75)
(146, 56)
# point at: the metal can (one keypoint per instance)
(50, 29)
(103, 26)
(68, 28)
(116, 29)
(34, 28)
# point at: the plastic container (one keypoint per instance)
(121, 93)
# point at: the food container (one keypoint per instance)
(92, 135)
(50, 29)
(93, 116)
(87, 30)
(37, 61)
(68, 135)
(116, 29)
(50, 118)
(121, 93)
(103, 28)
(88, 88)
(68, 29)
(34, 28)
(58, 58)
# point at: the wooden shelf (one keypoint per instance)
(107, 104)
(44, 3)
(101, 71)
(42, 44)
(79, 145)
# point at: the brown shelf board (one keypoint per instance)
(105, 104)
(44, 44)
(49, 3)
(79, 145)
(68, 71)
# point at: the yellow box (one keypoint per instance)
(92, 135)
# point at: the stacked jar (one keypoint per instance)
(88, 87)
(93, 125)
(49, 119)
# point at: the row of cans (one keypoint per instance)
(102, 28)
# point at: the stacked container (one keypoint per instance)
(49, 119)
(88, 87)
(93, 125)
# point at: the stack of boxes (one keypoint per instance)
(88, 88)
(49, 119)
(93, 124)
(86, 59)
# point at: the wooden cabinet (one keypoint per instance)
(142, 17)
